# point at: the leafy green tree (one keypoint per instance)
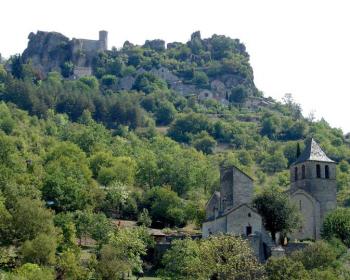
(328, 274)
(17, 69)
(83, 221)
(116, 199)
(115, 66)
(144, 218)
(185, 125)
(7, 125)
(229, 257)
(337, 224)
(41, 250)
(95, 225)
(31, 271)
(100, 228)
(67, 182)
(278, 212)
(165, 206)
(290, 151)
(245, 158)
(147, 169)
(90, 81)
(111, 265)
(5, 220)
(274, 162)
(238, 95)
(297, 130)
(183, 261)
(69, 266)
(204, 142)
(36, 218)
(165, 113)
(123, 170)
(148, 83)
(3, 73)
(317, 255)
(285, 268)
(99, 160)
(109, 80)
(123, 253)
(200, 79)
(271, 126)
(65, 222)
(67, 69)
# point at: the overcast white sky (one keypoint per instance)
(298, 46)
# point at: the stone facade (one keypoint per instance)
(243, 220)
(313, 189)
(230, 211)
(91, 46)
(236, 188)
(84, 50)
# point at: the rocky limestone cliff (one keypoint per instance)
(47, 50)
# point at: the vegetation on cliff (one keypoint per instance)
(77, 152)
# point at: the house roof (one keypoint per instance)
(239, 206)
(240, 170)
(313, 152)
(233, 210)
(216, 194)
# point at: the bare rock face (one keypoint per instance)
(174, 45)
(157, 45)
(165, 74)
(47, 50)
(220, 89)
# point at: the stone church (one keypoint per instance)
(313, 189)
(229, 211)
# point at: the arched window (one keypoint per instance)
(303, 172)
(296, 173)
(326, 171)
(318, 171)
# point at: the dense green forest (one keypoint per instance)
(76, 153)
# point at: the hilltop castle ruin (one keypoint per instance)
(47, 51)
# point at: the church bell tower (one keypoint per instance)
(313, 186)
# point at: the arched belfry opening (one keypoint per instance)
(303, 173)
(326, 172)
(318, 171)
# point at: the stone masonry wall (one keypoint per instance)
(242, 188)
(239, 219)
(214, 226)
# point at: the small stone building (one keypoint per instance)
(229, 211)
(313, 189)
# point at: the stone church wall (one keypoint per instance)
(240, 218)
(242, 188)
(214, 226)
(310, 213)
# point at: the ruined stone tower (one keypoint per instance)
(313, 188)
(103, 40)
